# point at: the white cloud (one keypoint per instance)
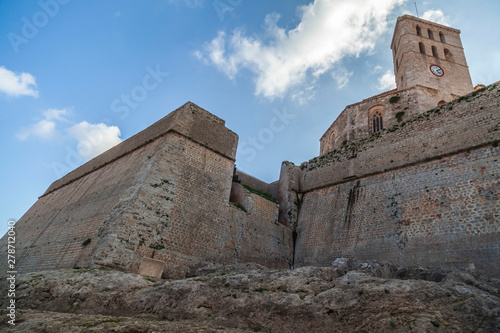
(13, 84)
(387, 81)
(199, 55)
(188, 3)
(303, 96)
(342, 76)
(55, 114)
(376, 69)
(45, 128)
(329, 30)
(94, 139)
(436, 16)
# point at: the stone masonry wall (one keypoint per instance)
(441, 213)
(50, 235)
(189, 120)
(167, 199)
(425, 192)
(268, 188)
(202, 225)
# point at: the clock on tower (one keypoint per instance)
(436, 70)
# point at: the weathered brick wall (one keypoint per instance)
(166, 196)
(268, 188)
(51, 233)
(202, 223)
(189, 120)
(441, 213)
(426, 193)
(289, 195)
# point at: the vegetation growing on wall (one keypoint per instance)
(239, 206)
(259, 193)
(399, 115)
(394, 99)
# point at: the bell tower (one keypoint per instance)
(430, 55)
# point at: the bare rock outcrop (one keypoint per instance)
(346, 297)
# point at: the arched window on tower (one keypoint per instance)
(331, 141)
(434, 52)
(397, 66)
(429, 32)
(419, 31)
(448, 55)
(376, 118)
(421, 46)
(441, 37)
(378, 123)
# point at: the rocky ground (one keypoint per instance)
(346, 297)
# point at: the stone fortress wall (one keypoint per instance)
(270, 189)
(423, 192)
(162, 194)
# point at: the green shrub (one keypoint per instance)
(400, 115)
(394, 99)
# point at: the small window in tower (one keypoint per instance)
(419, 31)
(431, 35)
(397, 66)
(375, 118)
(378, 124)
(331, 143)
(441, 37)
(448, 55)
(434, 51)
(421, 46)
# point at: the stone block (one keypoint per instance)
(151, 267)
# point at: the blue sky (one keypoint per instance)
(77, 77)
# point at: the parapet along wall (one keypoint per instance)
(424, 192)
(162, 194)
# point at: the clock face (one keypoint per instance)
(436, 70)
